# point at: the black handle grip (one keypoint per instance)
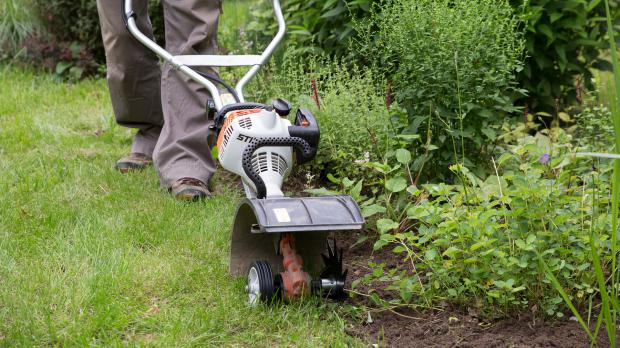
(306, 128)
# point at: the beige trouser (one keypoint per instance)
(167, 108)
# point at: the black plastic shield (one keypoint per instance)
(259, 222)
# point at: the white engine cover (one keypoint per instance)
(272, 163)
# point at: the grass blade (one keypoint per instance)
(611, 315)
(600, 278)
(599, 322)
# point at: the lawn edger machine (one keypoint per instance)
(278, 242)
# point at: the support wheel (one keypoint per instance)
(261, 286)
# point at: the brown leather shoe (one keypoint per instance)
(134, 161)
(190, 189)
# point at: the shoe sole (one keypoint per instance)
(190, 195)
(128, 167)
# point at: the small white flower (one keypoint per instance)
(365, 160)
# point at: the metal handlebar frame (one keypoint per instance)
(184, 63)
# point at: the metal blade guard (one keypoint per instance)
(259, 223)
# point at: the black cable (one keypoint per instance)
(216, 79)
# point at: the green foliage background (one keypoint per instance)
(317, 26)
(564, 40)
(78, 21)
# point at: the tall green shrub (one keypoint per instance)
(451, 64)
(563, 42)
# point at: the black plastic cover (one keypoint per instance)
(305, 214)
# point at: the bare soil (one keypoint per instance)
(450, 326)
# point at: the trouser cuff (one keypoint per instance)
(144, 141)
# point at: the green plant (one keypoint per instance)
(594, 127)
(564, 43)
(450, 63)
(18, 20)
(68, 62)
(233, 36)
(317, 26)
(477, 242)
(606, 270)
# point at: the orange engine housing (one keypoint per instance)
(231, 117)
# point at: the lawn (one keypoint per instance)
(92, 257)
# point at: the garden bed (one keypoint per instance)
(447, 327)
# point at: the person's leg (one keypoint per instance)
(134, 78)
(182, 150)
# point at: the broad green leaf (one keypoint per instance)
(408, 137)
(385, 225)
(403, 156)
(396, 184)
(346, 182)
(592, 5)
(555, 16)
(522, 245)
(430, 254)
(61, 67)
(451, 251)
(417, 212)
(504, 157)
(332, 178)
(356, 191)
(334, 12)
(405, 292)
(490, 133)
(399, 249)
(564, 117)
(380, 167)
(379, 244)
(477, 246)
(543, 28)
(373, 209)
(530, 239)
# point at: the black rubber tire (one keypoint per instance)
(266, 282)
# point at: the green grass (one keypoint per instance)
(92, 257)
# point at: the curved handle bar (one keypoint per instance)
(181, 62)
